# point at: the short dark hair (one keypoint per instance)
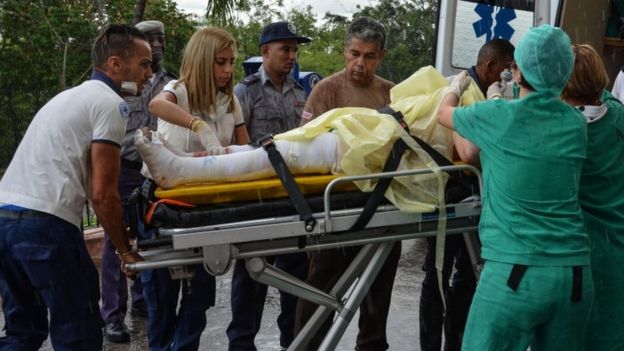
(496, 50)
(114, 39)
(368, 30)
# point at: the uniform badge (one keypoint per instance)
(124, 111)
(292, 28)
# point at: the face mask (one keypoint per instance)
(516, 90)
(129, 87)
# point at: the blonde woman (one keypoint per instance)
(197, 114)
(600, 194)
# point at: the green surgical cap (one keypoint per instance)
(545, 58)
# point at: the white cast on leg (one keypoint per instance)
(169, 170)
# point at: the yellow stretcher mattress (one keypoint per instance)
(257, 190)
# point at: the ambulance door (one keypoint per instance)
(465, 25)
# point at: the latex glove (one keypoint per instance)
(460, 83)
(207, 137)
(496, 90)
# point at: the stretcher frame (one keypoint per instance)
(216, 246)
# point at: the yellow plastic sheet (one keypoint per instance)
(368, 137)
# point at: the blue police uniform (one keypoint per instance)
(181, 330)
(267, 110)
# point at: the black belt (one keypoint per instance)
(518, 270)
(136, 165)
(16, 214)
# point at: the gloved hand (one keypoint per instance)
(496, 90)
(460, 83)
(207, 137)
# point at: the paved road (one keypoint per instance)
(402, 324)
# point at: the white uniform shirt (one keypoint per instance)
(50, 169)
(618, 86)
(219, 120)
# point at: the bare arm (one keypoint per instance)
(466, 150)
(445, 112)
(164, 105)
(105, 160)
(241, 137)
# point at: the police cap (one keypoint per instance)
(281, 31)
(152, 27)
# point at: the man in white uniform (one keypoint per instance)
(69, 153)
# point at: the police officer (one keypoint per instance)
(114, 284)
(272, 102)
(70, 152)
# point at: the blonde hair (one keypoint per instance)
(589, 77)
(197, 68)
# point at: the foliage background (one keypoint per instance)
(45, 44)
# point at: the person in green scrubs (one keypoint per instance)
(601, 194)
(536, 287)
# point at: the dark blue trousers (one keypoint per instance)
(458, 296)
(170, 327)
(247, 301)
(114, 282)
(45, 267)
(173, 326)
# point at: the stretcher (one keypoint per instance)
(190, 235)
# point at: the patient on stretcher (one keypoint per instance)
(348, 141)
(168, 169)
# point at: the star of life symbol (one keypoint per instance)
(494, 22)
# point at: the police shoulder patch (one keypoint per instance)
(124, 111)
(251, 79)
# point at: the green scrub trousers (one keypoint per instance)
(540, 313)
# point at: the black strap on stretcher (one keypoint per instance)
(295, 195)
(133, 207)
(137, 203)
(392, 164)
(439, 159)
(377, 194)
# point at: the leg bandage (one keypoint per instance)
(169, 170)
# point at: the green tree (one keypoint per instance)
(45, 48)
(410, 26)
(221, 12)
(411, 33)
(322, 55)
(45, 44)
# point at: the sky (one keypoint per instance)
(340, 7)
